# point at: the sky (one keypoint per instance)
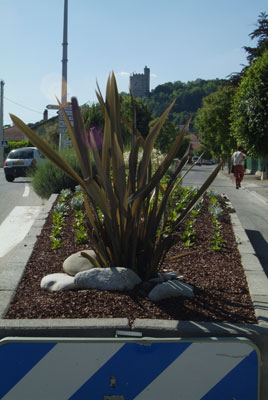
(178, 40)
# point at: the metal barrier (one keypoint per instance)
(128, 368)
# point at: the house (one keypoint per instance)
(12, 133)
(195, 142)
(41, 127)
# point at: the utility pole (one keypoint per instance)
(1, 122)
(64, 55)
(64, 64)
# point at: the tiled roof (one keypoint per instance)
(13, 133)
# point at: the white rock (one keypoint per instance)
(174, 288)
(58, 281)
(116, 278)
(76, 262)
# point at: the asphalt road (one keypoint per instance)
(19, 207)
(252, 210)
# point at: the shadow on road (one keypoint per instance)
(260, 246)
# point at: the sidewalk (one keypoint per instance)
(252, 184)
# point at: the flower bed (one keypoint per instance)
(221, 291)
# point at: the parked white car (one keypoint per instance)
(19, 161)
(196, 159)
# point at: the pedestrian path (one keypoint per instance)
(252, 184)
(251, 205)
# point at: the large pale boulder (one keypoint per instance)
(174, 288)
(115, 278)
(77, 262)
(58, 281)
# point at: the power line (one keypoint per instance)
(27, 108)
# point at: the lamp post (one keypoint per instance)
(64, 66)
(64, 55)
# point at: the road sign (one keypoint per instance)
(4, 143)
(65, 142)
(53, 107)
(126, 369)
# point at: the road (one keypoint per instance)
(251, 210)
(19, 206)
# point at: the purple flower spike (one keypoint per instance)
(97, 135)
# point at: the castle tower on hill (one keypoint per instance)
(140, 83)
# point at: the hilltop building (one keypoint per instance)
(140, 83)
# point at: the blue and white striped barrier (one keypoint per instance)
(126, 369)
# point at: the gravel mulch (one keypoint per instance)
(221, 291)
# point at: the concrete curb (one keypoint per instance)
(256, 278)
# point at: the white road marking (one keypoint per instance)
(16, 226)
(26, 190)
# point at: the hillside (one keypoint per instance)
(189, 98)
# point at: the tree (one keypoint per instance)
(92, 116)
(250, 109)
(188, 98)
(260, 33)
(167, 135)
(143, 114)
(213, 124)
(206, 154)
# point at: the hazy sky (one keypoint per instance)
(178, 40)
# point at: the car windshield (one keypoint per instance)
(26, 153)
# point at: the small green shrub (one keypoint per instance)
(215, 208)
(188, 235)
(17, 144)
(57, 226)
(78, 189)
(61, 208)
(49, 179)
(81, 235)
(77, 203)
(65, 194)
(217, 215)
(217, 239)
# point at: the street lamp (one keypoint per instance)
(64, 55)
(64, 67)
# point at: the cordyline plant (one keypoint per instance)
(132, 203)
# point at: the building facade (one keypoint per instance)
(140, 83)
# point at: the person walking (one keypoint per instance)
(238, 159)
